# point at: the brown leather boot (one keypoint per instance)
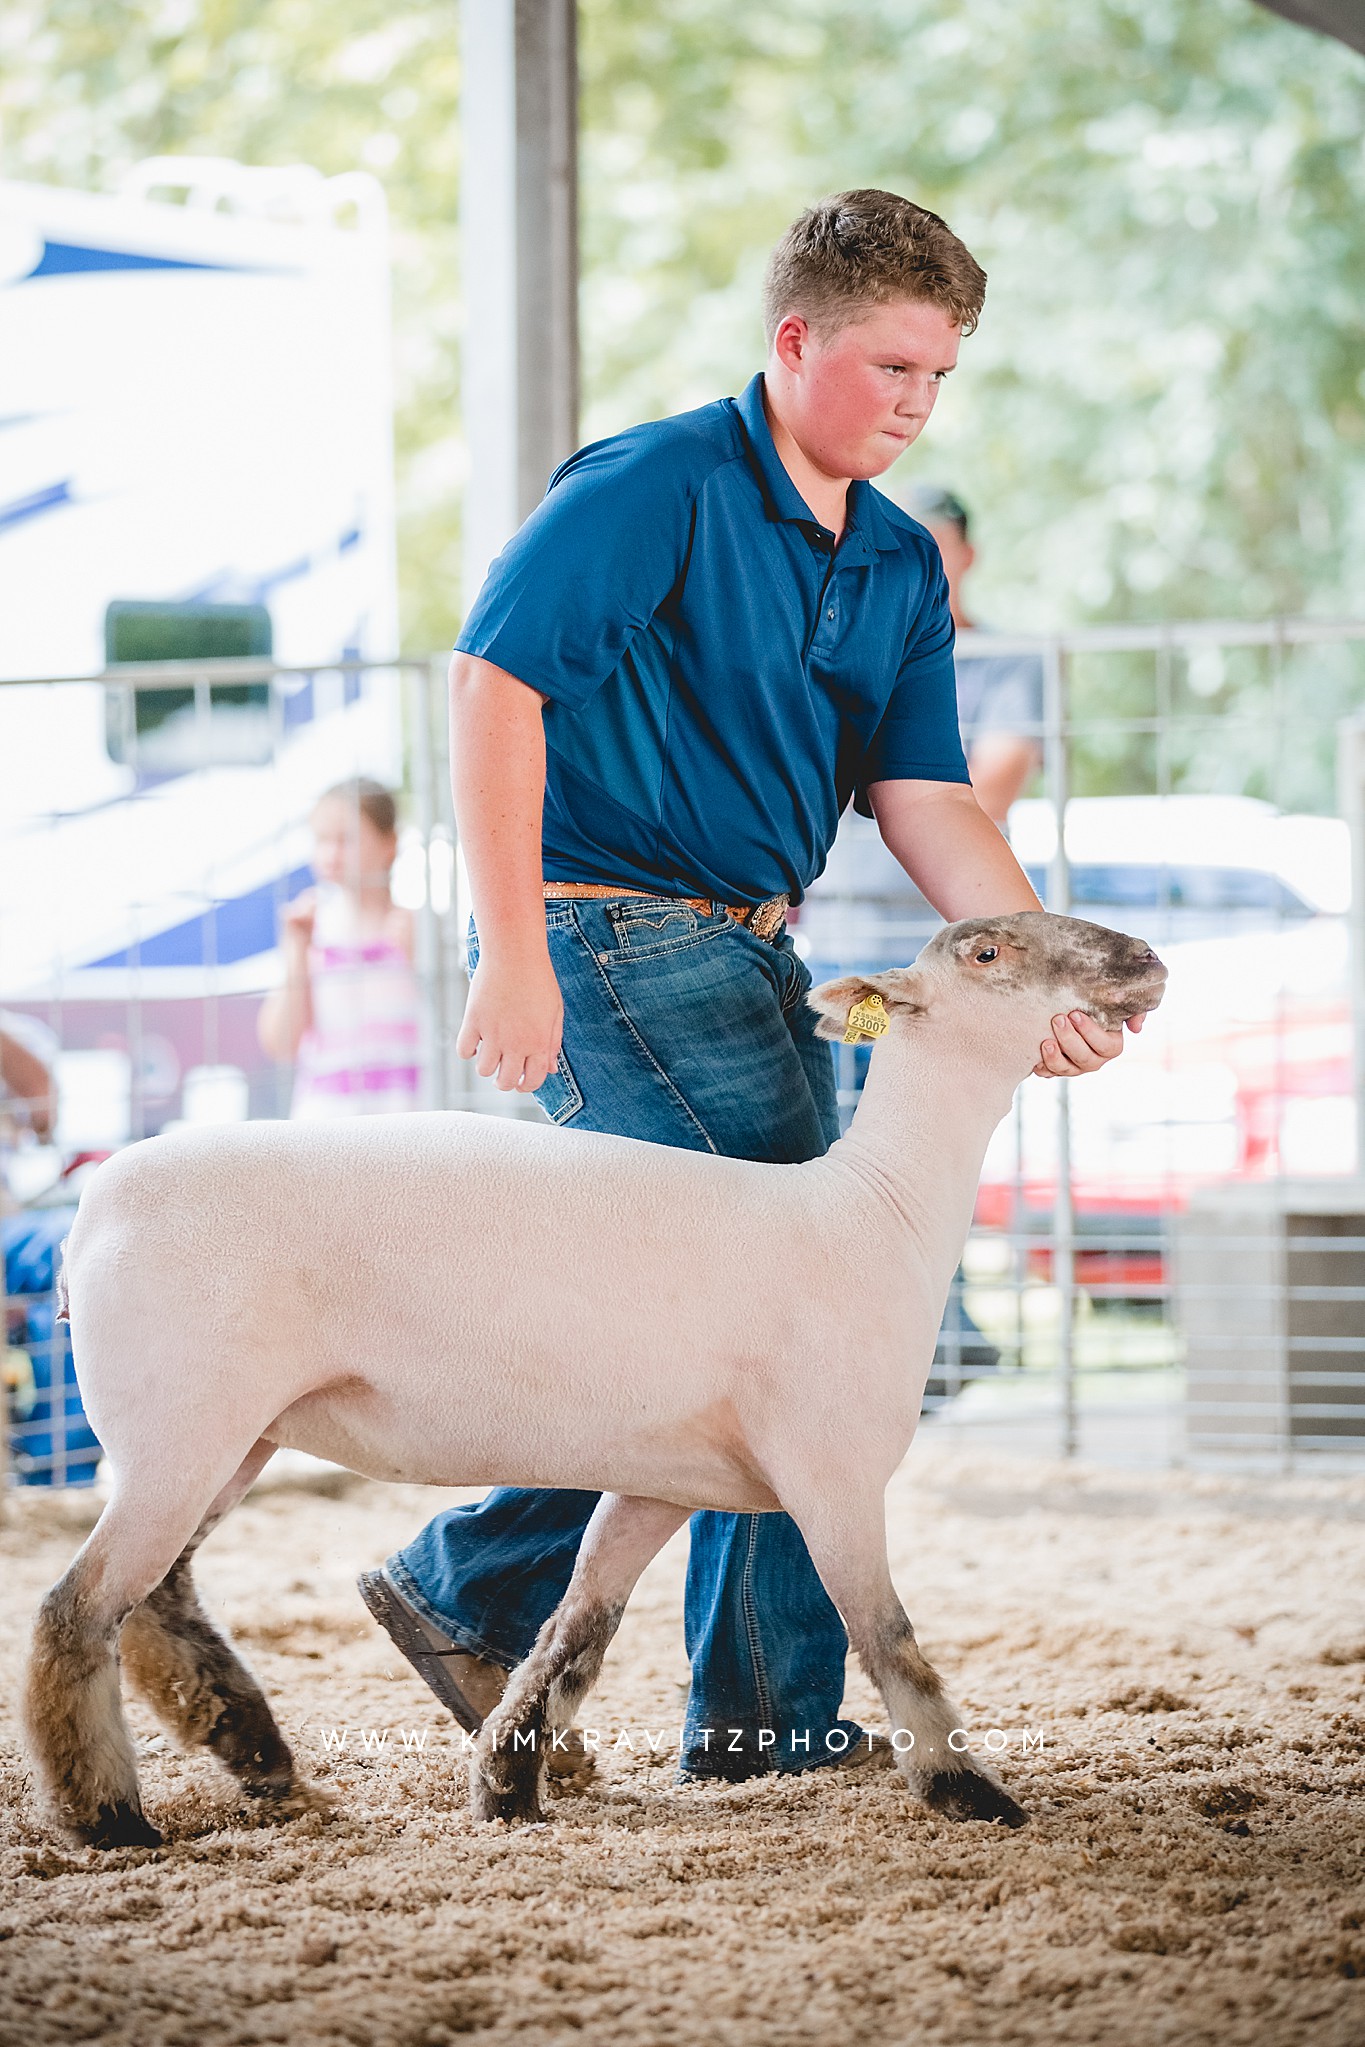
(467, 1686)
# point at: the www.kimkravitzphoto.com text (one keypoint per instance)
(802, 1742)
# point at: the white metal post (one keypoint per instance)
(519, 230)
(1056, 770)
(1351, 804)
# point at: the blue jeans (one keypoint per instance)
(683, 1029)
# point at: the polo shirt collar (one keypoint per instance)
(865, 514)
(781, 498)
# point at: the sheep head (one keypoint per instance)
(1011, 974)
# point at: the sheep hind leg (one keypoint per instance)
(193, 1679)
(507, 1769)
(847, 1543)
(73, 1709)
(73, 1714)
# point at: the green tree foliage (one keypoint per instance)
(1163, 414)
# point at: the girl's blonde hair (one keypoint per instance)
(370, 798)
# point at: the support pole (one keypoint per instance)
(1351, 804)
(1057, 766)
(519, 234)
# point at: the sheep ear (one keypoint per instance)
(832, 1001)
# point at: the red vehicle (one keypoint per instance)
(1245, 1073)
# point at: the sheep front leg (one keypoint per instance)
(845, 1531)
(507, 1769)
(938, 1769)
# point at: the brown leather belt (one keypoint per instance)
(766, 920)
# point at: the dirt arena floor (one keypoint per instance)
(1192, 1649)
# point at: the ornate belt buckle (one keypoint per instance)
(769, 919)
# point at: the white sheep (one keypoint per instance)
(453, 1299)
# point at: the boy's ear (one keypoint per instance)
(899, 989)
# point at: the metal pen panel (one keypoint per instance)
(1165, 1259)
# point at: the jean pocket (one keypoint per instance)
(645, 929)
(559, 1095)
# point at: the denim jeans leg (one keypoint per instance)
(498, 1568)
(685, 1030)
(767, 1650)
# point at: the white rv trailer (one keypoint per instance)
(195, 411)
(196, 403)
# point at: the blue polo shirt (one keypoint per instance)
(721, 678)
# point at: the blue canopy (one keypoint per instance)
(238, 928)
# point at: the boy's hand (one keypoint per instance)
(513, 1021)
(1079, 1045)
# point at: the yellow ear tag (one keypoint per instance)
(867, 1019)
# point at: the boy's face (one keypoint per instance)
(857, 397)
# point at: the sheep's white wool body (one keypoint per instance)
(448, 1298)
(455, 1299)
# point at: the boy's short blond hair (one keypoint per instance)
(857, 250)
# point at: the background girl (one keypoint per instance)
(347, 1012)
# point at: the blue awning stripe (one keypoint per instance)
(63, 259)
(20, 510)
(238, 928)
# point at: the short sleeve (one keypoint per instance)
(918, 739)
(590, 567)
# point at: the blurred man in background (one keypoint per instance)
(999, 696)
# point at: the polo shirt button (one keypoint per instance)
(829, 614)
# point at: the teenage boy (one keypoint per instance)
(710, 635)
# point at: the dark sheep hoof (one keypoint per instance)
(274, 1791)
(963, 1795)
(119, 1826)
(515, 1799)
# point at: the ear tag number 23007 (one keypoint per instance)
(867, 1019)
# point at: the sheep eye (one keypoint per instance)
(988, 953)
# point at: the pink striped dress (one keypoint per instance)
(361, 1057)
